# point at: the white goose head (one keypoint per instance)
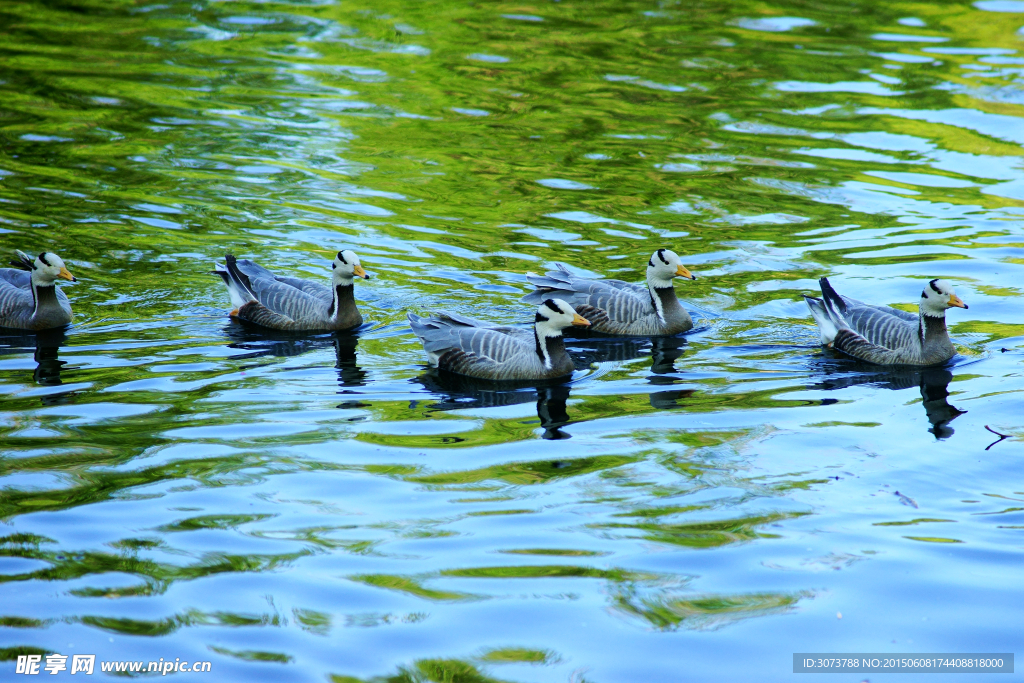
(346, 266)
(554, 315)
(663, 266)
(45, 268)
(937, 296)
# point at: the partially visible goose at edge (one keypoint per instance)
(29, 298)
(884, 335)
(287, 303)
(479, 349)
(617, 307)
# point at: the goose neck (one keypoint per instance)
(344, 298)
(44, 297)
(550, 344)
(933, 326)
(663, 297)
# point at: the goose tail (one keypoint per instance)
(826, 327)
(236, 281)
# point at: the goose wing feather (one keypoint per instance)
(848, 341)
(465, 321)
(878, 325)
(16, 278)
(253, 270)
(872, 333)
(288, 301)
(313, 289)
(622, 302)
(849, 303)
(883, 328)
(16, 302)
(470, 347)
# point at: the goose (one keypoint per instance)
(30, 300)
(883, 335)
(288, 303)
(621, 308)
(480, 349)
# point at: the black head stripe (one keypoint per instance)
(932, 285)
(333, 266)
(650, 263)
(661, 255)
(341, 257)
(42, 257)
(550, 303)
(539, 318)
(924, 294)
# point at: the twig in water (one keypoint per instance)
(1000, 435)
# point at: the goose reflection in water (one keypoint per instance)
(932, 382)
(457, 392)
(663, 352)
(47, 345)
(262, 342)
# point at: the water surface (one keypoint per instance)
(310, 508)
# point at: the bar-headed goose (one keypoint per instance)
(479, 349)
(617, 307)
(288, 303)
(884, 335)
(29, 298)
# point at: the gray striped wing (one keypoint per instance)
(255, 271)
(313, 289)
(16, 303)
(288, 301)
(17, 278)
(857, 346)
(523, 334)
(478, 350)
(881, 326)
(622, 302)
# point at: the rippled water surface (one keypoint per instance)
(319, 508)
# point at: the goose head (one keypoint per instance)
(937, 296)
(663, 266)
(45, 268)
(554, 315)
(346, 266)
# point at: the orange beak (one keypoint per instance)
(358, 270)
(954, 300)
(579, 320)
(680, 270)
(66, 275)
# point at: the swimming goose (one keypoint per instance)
(288, 303)
(30, 300)
(479, 349)
(883, 335)
(617, 307)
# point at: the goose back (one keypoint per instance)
(614, 306)
(477, 349)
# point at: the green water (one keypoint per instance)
(318, 508)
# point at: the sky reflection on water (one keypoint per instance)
(174, 484)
